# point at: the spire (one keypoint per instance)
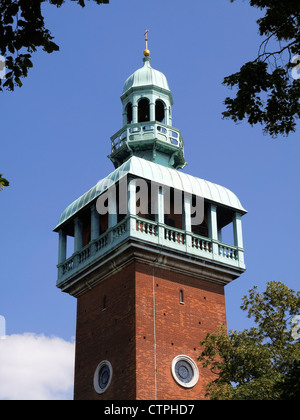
(146, 51)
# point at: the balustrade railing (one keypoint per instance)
(204, 244)
(101, 242)
(228, 251)
(68, 265)
(172, 237)
(147, 227)
(84, 255)
(120, 229)
(146, 131)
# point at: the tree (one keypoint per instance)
(3, 182)
(22, 32)
(262, 363)
(268, 87)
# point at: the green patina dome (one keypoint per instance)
(146, 77)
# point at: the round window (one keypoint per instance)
(103, 376)
(185, 371)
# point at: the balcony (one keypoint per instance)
(160, 210)
(146, 131)
(155, 233)
(153, 136)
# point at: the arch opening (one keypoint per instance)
(144, 110)
(160, 111)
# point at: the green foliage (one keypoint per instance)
(265, 91)
(3, 182)
(22, 32)
(262, 363)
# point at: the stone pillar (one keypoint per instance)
(187, 218)
(62, 247)
(95, 223)
(238, 236)
(134, 111)
(161, 214)
(77, 234)
(95, 228)
(213, 228)
(112, 212)
(124, 117)
(131, 198)
(152, 110)
(169, 116)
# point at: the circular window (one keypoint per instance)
(185, 371)
(103, 376)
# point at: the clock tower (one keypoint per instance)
(149, 266)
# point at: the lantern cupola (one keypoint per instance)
(147, 130)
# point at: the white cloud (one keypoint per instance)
(35, 367)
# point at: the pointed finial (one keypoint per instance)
(146, 51)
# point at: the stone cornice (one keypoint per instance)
(155, 256)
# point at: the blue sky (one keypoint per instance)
(55, 140)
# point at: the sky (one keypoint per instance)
(55, 139)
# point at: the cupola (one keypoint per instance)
(147, 130)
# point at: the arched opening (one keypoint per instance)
(160, 111)
(144, 110)
(129, 113)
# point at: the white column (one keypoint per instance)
(95, 223)
(124, 117)
(220, 235)
(134, 110)
(161, 214)
(112, 212)
(169, 115)
(238, 236)
(131, 197)
(152, 110)
(112, 207)
(77, 234)
(187, 219)
(62, 247)
(213, 228)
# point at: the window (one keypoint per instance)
(181, 297)
(103, 376)
(185, 371)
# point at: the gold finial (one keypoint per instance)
(146, 51)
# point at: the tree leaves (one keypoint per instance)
(22, 32)
(266, 93)
(266, 98)
(3, 182)
(261, 363)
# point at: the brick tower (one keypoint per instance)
(149, 266)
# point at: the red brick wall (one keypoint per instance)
(123, 333)
(179, 329)
(107, 334)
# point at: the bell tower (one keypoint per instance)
(147, 115)
(149, 266)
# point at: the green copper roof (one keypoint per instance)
(162, 175)
(146, 76)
